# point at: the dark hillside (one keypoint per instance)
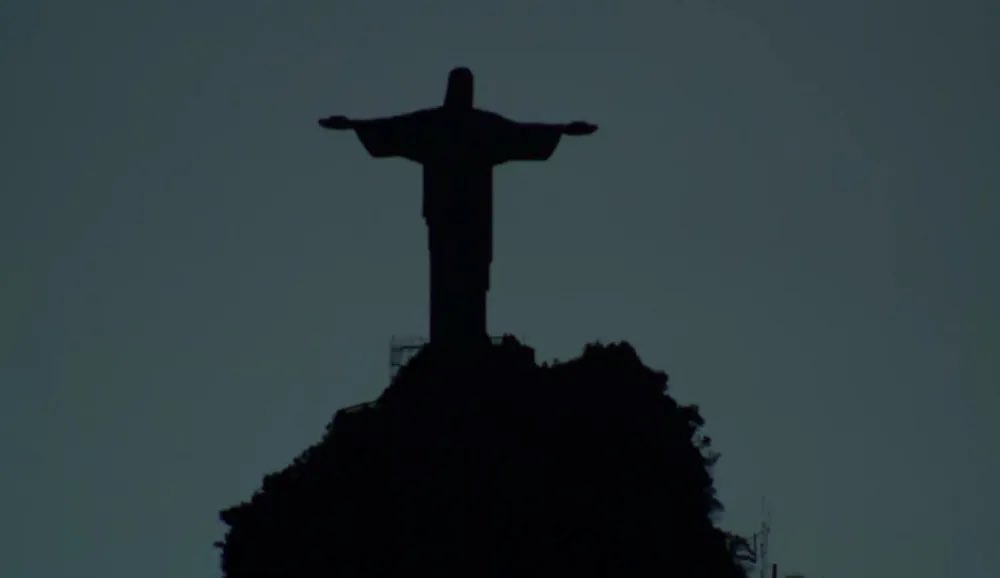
(495, 466)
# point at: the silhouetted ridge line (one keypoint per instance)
(495, 467)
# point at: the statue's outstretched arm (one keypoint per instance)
(338, 123)
(401, 135)
(575, 128)
(579, 128)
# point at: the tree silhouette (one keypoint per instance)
(490, 465)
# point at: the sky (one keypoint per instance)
(790, 207)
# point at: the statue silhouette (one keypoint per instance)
(458, 146)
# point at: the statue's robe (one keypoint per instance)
(458, 150)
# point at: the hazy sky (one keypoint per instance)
(790, 206)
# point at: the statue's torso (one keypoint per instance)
(461, 138)
(458, 207)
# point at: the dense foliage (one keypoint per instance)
(495, 466)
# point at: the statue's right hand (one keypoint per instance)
(336, 122)
(579, 128)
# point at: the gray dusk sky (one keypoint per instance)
(790, 206)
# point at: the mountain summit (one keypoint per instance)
(495, 466)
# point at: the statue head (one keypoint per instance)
(459, 95)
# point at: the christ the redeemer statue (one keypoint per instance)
(458, 145)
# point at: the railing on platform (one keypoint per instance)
(403, 347)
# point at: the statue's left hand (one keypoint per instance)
(579, 128)
(336, 122)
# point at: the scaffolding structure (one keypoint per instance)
(760, 541)
(401, 349)
(753, 551)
